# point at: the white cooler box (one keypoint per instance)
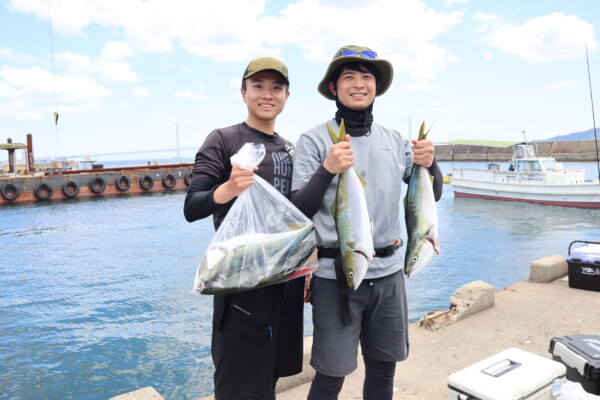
(512, 374)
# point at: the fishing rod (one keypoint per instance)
(593, 115)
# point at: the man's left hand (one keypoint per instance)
(423, 152)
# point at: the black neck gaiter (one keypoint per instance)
(357, 123)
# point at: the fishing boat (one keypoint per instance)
(530, 178)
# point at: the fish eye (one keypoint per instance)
(350, 274)
(415, 258)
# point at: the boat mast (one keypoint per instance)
(593, 116)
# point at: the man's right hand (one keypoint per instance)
(339, 157)
(239, 180)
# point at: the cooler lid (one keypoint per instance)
(510, 374)
(581, 352)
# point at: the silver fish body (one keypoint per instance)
(352, 222)
(254, 260)
(421, 219)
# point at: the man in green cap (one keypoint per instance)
(375, 314)
(257, 336)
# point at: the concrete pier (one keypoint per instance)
(526, 315)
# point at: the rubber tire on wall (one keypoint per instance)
(40, 189)
(169, 181)
(97, 185)
(9, 192)
(146, 182)
(188, 178)
(70, 184)
(121, 179)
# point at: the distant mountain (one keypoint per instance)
(585, 135)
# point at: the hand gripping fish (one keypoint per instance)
(352, 223)
(421, 218)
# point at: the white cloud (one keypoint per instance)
(68, 17)
(81, 65)
(488, 22)
(115, 51)
(12, 55)
(449, 3)
(140, 92)
(236, 82)
(563, 85)
(421, 85)
(543, 39)
(196, 95)
(401, 30)
(487, 56)
(31, 92)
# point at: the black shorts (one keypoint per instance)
(257, 340)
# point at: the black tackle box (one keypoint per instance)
(584, 265)
(581, 355)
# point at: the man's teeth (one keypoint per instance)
(266, 105)
(358, 95)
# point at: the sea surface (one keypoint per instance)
(96, 295)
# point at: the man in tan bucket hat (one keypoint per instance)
(257, 336)
(375, 314)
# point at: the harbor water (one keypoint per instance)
(96, 294)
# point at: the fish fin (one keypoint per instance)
(342, 135)
(422, 133)
(362, 181)
(332, 134)
(421, 130)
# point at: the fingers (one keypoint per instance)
(423, 152)
(240, 179)
(339, 157)
(307, 279)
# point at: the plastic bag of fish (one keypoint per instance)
(263, 240)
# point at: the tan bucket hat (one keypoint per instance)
(351, 53)
(266, 64)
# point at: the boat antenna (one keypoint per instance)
(593, 116)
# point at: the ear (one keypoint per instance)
(243, 92)
(332, 88)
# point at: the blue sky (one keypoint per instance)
(133, 75)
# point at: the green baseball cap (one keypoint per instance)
(266, 64)
(351, 53)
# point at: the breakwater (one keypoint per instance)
(567, 151)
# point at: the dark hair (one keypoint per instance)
(354, 66)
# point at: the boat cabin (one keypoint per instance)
(525, 159)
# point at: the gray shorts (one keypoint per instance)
(379, 322)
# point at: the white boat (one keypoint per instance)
(529, 179)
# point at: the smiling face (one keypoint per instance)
(265, 94)
(355, 89)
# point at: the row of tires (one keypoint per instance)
(97, 185)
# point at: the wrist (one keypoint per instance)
(223, 194)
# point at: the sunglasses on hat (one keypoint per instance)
(364, 54)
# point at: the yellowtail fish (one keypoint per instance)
(421, 218)
(352, 223)
(249, 261)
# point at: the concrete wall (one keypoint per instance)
(584, 150)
